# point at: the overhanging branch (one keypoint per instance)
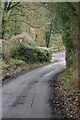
(10, 7)
(72, 8)
(34, 26)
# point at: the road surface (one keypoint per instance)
(27, 96)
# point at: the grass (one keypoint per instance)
(12, 65)
(69, 78)
(15, 66)
(68, 81)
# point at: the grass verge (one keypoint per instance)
(15, 66)
(69, 87)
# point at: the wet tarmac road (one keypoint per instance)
(27, 96)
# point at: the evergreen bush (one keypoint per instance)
(30, 54)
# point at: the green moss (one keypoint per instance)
(66, 79)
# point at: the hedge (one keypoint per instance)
(31, 54)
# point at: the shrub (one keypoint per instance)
(30, 54)
(44, 54)
(16, 62)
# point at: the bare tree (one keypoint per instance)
(7, 7)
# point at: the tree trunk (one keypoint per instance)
(78, 19)
(79, 50)
(3, 25)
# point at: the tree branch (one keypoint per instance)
(34, 9)
(9, 5)
(72, 8)
(9, 8)
(32, 25)
(5, 6)
(48, 8)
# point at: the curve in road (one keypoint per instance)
(27, 96)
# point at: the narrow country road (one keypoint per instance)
(27, 96)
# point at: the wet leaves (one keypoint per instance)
(65, 104)
(71, 100)
(56, 100)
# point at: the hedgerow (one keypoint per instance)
(30, 54)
